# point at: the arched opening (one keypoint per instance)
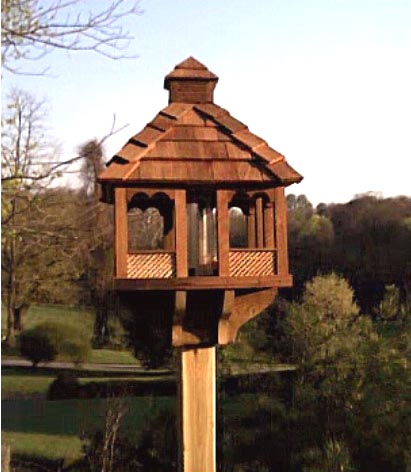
(202, 233)
(150, 223)
(238, 228)
(145, 229)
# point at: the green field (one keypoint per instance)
(72, 316)
(31, 426)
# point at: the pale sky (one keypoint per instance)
(324, 82)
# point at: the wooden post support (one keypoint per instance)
(223, 232)
(251, 228)
(260, 222)
(269, 226)
(121, 237)
(197, 404)
(280, 204)
(181, 233)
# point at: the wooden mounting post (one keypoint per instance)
(121, 237)
(197, 405)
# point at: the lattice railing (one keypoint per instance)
(151, 265)
(251, 262)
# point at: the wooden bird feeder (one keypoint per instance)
(213, 250)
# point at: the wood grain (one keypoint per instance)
(198, 409)
(181, 233)
(281, 231)
(121, 237)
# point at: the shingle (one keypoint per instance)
(115, 171)
(175, 110)
(211, 109)
(131, 151)
(162, 122)
(190, 118)
(147, 136)
(230, 123)
(285, 172)
(235, 152)
(248, 138)
(269, 154)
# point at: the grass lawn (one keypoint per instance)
(72, 316)
(41, 313)
(14, 383)
(51, 429)
(33, 445)
(107, 356)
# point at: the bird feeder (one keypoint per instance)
(200, 236)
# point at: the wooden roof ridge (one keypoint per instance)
(256, 145)
(139, 144)
(154, 131)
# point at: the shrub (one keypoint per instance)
(37, 346)
(65, 386)
(77, 350)
(47, 340)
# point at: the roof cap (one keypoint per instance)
(190, 82)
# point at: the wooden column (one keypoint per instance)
(269, 226)
(169, 237)
(280, 205)
(223, 233)
(260, 222)
(121, 236)
(181, 233)
(197, 397)
(251, 227)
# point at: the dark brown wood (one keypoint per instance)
(223, 232)
(200, 156)
(281, 231)
(181, 233)
(260, 221)
(251, 228)
(121, 238)
(243, 308)
(149, 191)
(170, 236)
(269, 226)
(203, 283)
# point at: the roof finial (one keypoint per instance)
(190, 82)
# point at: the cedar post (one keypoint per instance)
(197, 404)
(260, 222)
(121, 237)
(196, 395)
(223, 233)
(251, 227)
(280, 205)
(181, 233)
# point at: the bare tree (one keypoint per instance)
(37, 234)
(31, 29)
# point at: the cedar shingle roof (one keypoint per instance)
(197, 142)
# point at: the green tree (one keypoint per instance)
(373, 246)
(351, 380)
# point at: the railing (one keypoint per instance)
(155, 264)
(160, 264)
(252, 262)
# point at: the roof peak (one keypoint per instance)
(190, 82)
(191, 63)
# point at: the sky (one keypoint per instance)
(324, 82)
